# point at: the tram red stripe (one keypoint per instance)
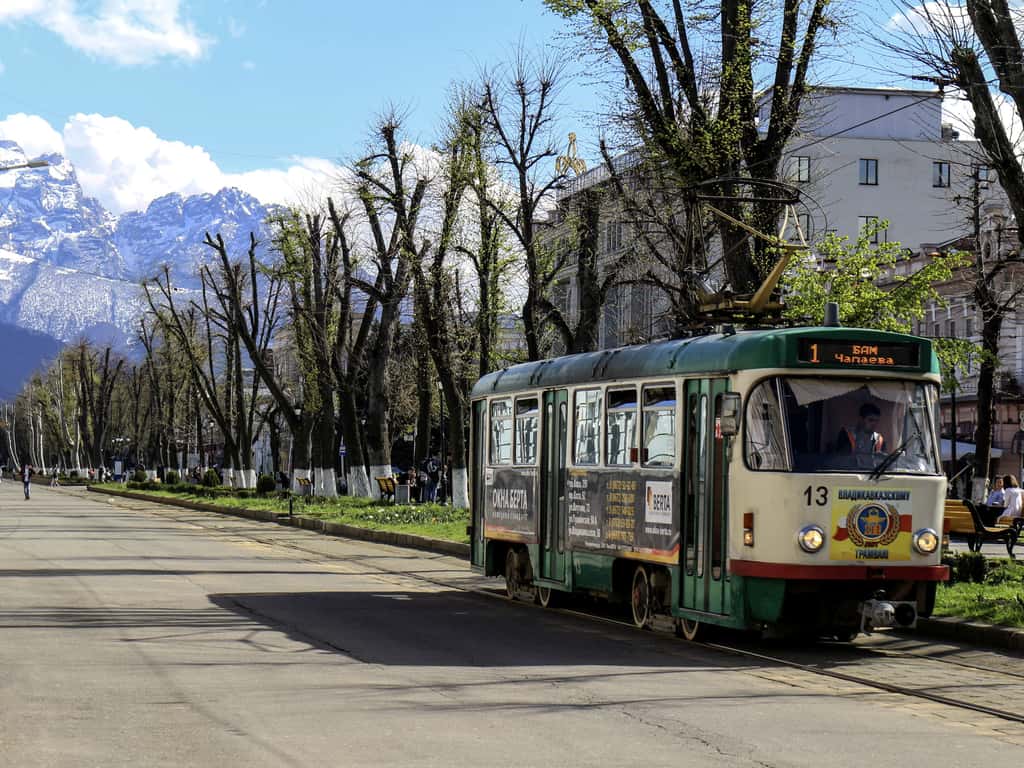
(834, 572)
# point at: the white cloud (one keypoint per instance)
(125, 31)
(33, 134)
(126, 166)
(249, 65)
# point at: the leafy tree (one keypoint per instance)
(861, 278)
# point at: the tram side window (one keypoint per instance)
(588, 426)
(767, 448)
(526, 431)
(621, 427)
(659, 426)
(501, 432)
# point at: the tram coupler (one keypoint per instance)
(881, 613)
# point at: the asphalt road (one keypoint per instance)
(137, 635)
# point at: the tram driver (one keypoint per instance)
(862, 438)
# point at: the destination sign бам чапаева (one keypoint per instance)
(871, 354)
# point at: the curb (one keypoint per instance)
(342, 530)
(973, 632)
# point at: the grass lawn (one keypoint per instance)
(997, 600)
(431, 520)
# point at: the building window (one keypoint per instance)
(804, 220)
(800, 169)
(613, 237)
(868, 171)
(940, 174)
(867, 226)
(935, 330)
(968, 327)
(952, 329)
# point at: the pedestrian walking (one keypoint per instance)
(53, 478)
(27, 470)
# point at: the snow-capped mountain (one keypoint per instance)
(69, 267)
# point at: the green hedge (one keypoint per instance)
(974, 567)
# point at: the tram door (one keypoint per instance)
(476, 483)
(704, 542)
(552, 485)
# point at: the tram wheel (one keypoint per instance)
(512, 574)
(691, 629)
(547, 597)
(640, 598)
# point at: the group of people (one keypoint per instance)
(428, 483)
(1007, 494)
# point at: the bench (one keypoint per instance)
(958, 518)
(387, 488)
(305, 486)
(1005, 533)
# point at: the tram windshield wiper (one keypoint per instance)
(891, 457)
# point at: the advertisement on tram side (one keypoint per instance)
(510, 504)
(622, 512)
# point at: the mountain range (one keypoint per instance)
(70, 268)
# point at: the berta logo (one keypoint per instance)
(658, 502)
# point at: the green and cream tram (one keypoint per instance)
(716, 479)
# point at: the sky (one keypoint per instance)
(147, 97)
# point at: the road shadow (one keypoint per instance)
(455, 628)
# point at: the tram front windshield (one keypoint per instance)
(841, 425)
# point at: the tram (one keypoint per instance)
(721, 480)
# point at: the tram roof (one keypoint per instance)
(715, 353)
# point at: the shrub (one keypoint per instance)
(211, 479)
(1004, 572)
(74, 474)
(970, 566)
(140, 476)
(171, 477)
(265, 484)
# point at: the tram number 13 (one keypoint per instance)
(817, 495)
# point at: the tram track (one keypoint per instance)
(663, 627)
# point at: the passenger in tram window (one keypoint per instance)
(862, 438)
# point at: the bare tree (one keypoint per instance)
(518, 105)
(692, 72)
(391, 189)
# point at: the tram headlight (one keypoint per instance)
(926, 541)
(811, 538)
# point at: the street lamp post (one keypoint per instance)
(442, 478)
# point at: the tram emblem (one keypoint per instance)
(873, 524)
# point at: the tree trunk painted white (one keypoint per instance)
(979, 487)
(229, 476)
(378, 470)
(359, 483)
(326, 482)
(298, 474)
(460, 488)
(247, 478)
